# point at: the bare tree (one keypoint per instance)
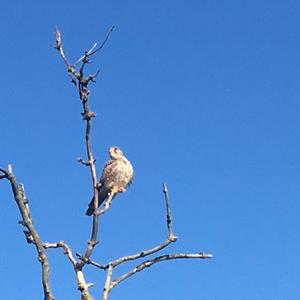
(81, 81)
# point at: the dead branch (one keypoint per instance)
(148, 263)
(168, 209)
(67, 250)
(31, 232)
(94, 48)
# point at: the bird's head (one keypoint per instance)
(115, 152)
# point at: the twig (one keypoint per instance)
(58, 46)
(168, 209)
(141, 254)
(93, 50)
(155, 260)
(92, 262)
(84, 162)
(4, 175)
(31, 232)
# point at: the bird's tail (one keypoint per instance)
(102, 195)
(91, 208)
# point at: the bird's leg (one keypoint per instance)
(121, 190)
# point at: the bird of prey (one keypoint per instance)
(116, 176)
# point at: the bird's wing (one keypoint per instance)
(117, 173)
(109, 174)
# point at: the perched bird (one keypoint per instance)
(116, 176)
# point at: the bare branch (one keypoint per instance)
(168, 209)
(4, 175)
(105, 40)
(67, 250)
(85, 162)
(92, 262)
(148, 263)
(107, 285)
(31, 232)
(141, 254)
(59, 47)
(85, 55)
(94, 48)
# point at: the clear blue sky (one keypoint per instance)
(201, 94)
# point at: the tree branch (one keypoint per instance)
(31, 233)
(94, 48)
(107, 285)
(67, 250)
(168, 209)
(148, 263)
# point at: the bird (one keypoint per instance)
(116, 175)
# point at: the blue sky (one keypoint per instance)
(203, 95)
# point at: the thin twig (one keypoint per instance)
(94, 48)
(150, 262)
(92, 262)
(168, 209)
(58, 46)
(4, 173)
